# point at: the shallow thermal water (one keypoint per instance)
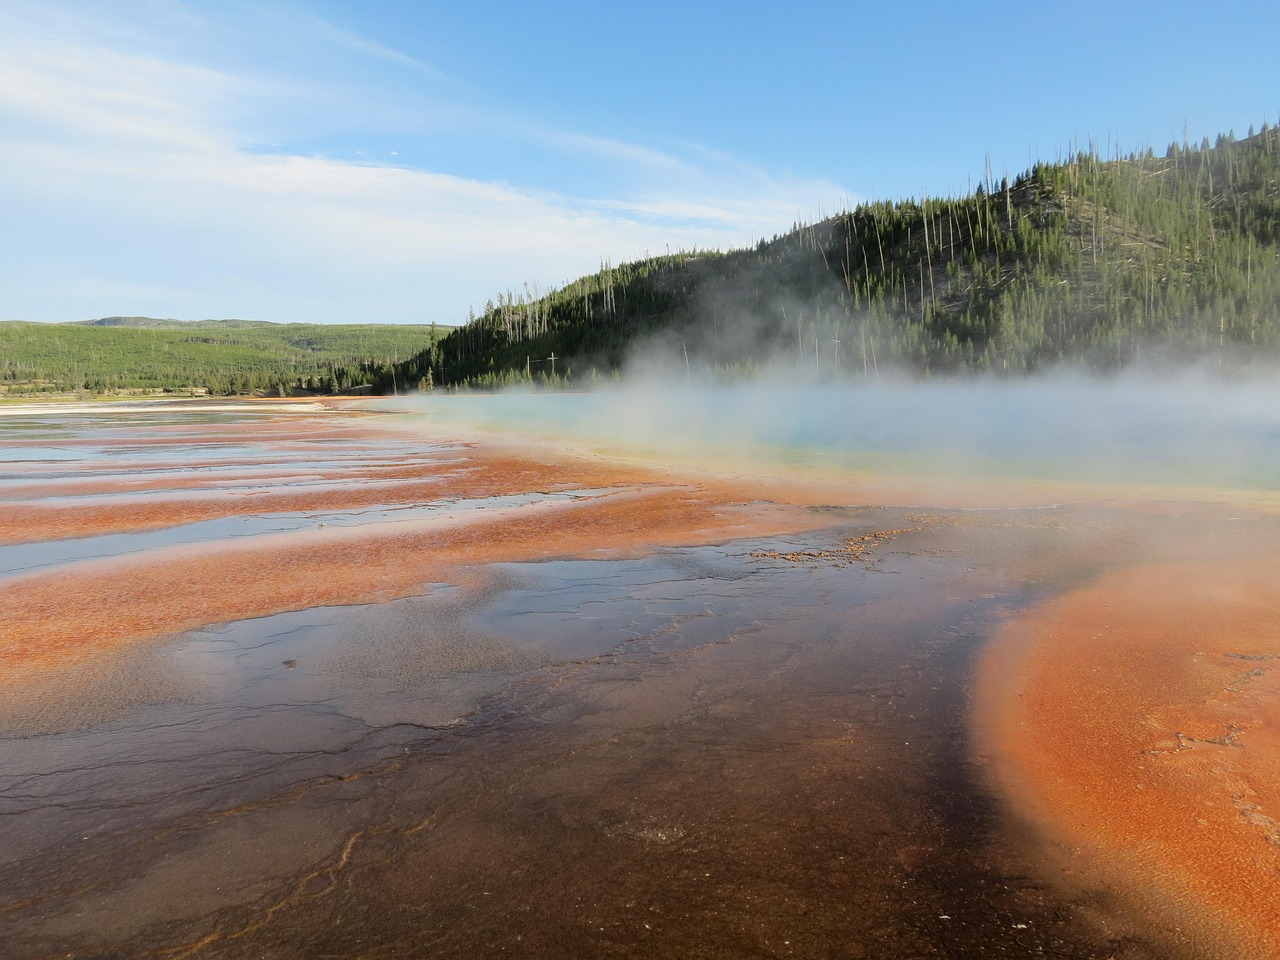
(753, 748)
(1173, 430)
(708, 747)
(40, 555)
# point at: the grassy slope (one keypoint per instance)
(222, 356)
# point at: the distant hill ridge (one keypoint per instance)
(171, 324)
(144, 354)
(1089, 261)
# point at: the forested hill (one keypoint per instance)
(141, 354)
(1089, 260)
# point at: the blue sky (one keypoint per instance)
(395, 161)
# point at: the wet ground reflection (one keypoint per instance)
(709, 751)
(744, 743)
(30, 557)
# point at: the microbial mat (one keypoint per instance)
(299, 680)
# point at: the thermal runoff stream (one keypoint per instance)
(658, 671)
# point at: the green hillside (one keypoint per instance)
(218, 356)
(1094, 261)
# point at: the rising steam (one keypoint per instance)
(1195, 430)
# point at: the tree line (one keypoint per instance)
(128, 355)
(1101, 261)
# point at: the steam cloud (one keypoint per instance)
(1193, 430)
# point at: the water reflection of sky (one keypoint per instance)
(223, 713)
(33, 557)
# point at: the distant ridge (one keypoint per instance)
(171, 324)
(222, 357)
(1088, 261)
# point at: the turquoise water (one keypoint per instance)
(1141, 431)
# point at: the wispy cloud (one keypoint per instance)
(85, 96)
(365, 45)
(609, 149)
(132, 187)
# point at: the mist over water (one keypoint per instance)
(1139, 429)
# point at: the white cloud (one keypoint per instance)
(131, 189)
